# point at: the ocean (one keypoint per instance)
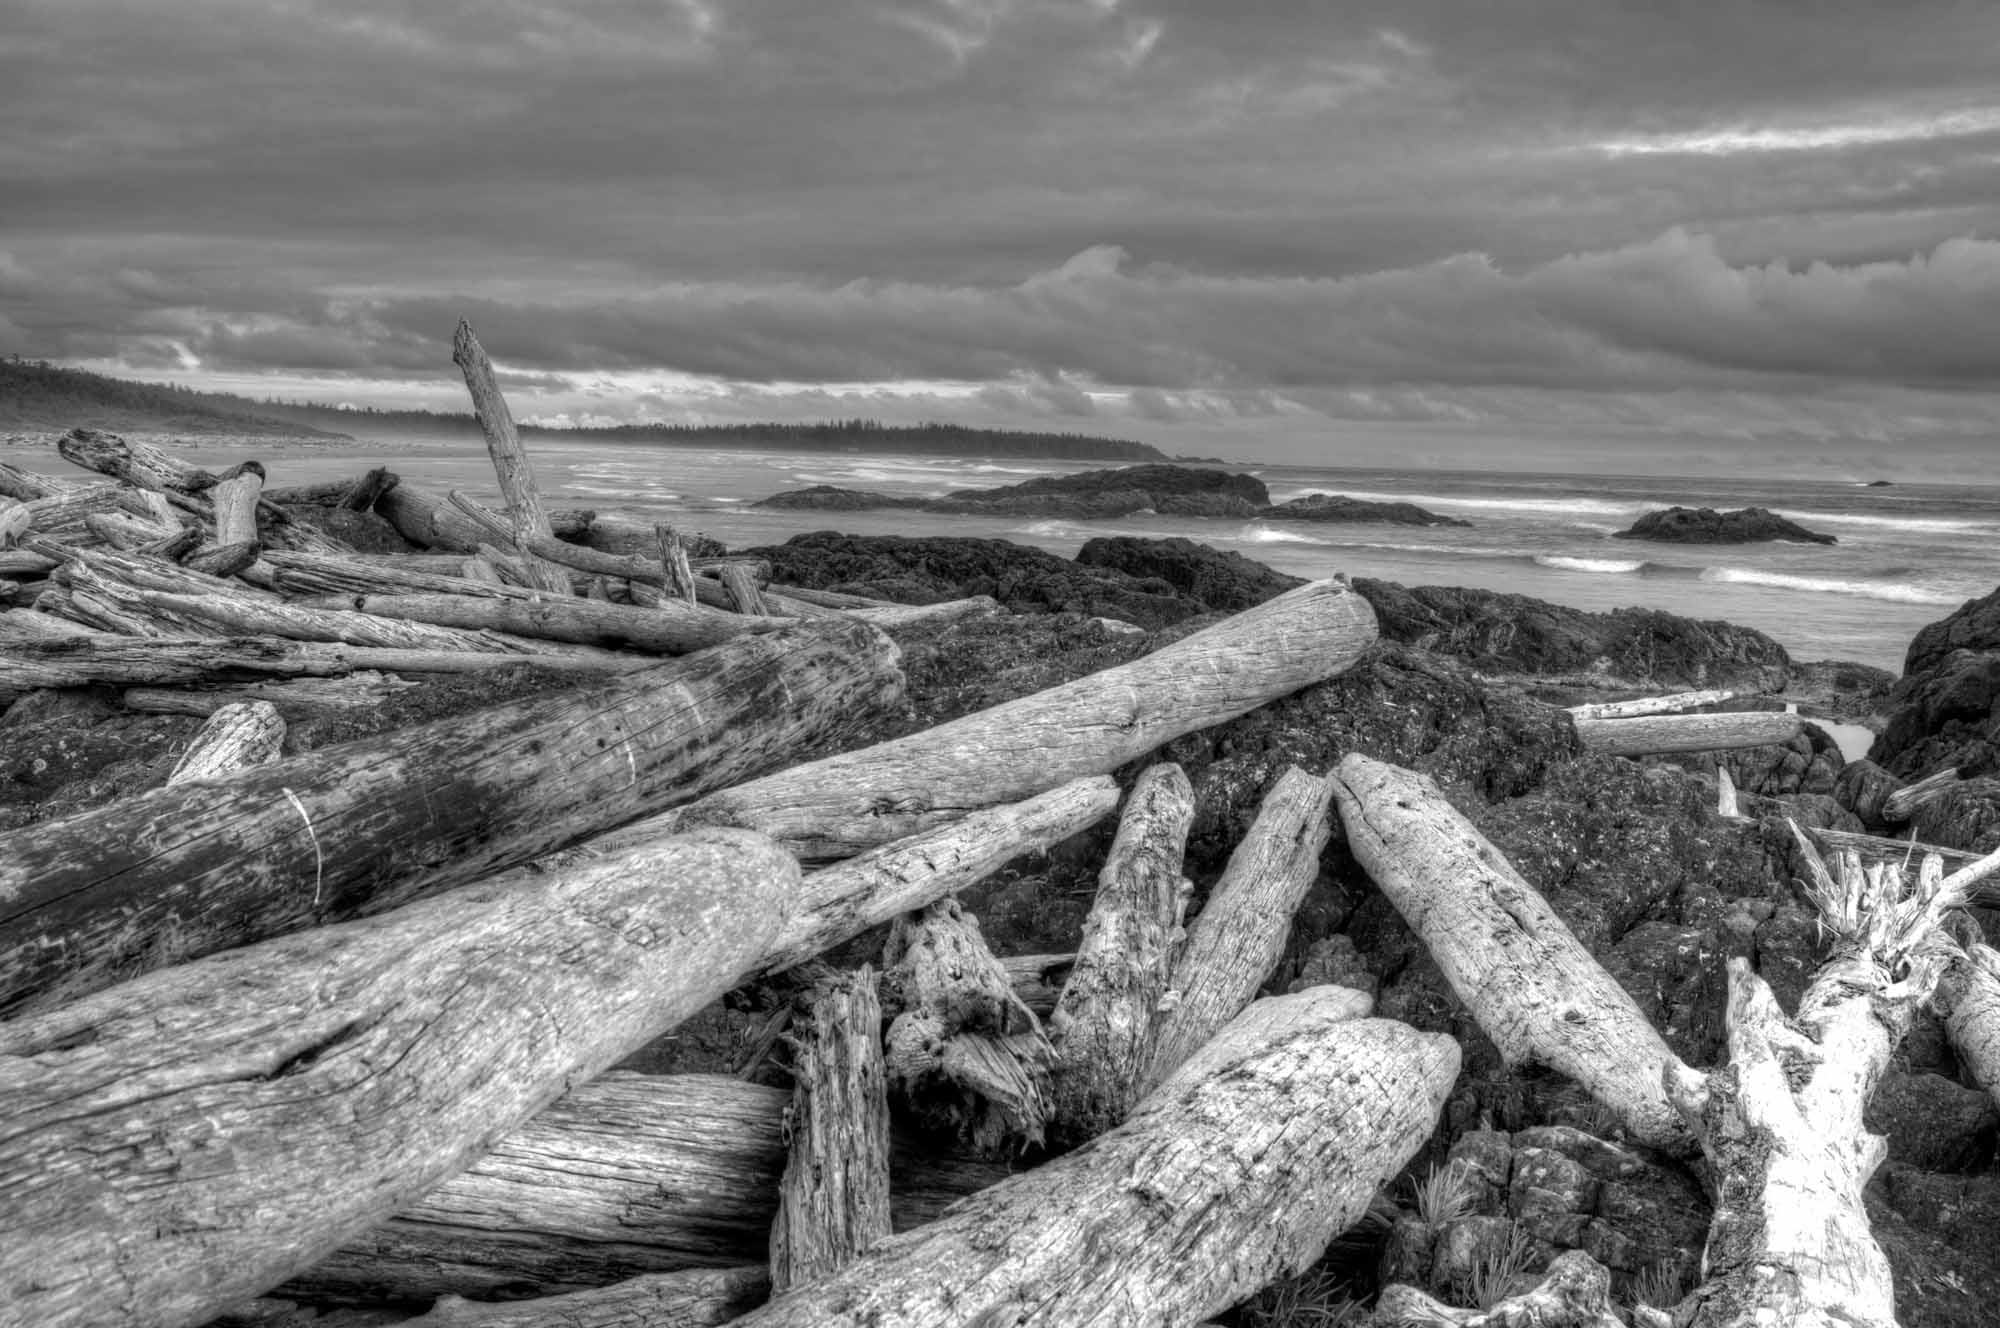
(1907, 554)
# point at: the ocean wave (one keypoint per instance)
(1261, 534)
(1566, 564)
(1924, 525)
(1049, 530)
(1898, 591)
(1569, 507)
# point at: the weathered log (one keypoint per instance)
(1124, 962)
(503, 441)
(17, 625)
(1726, 804)
(676, 577)
(1652, 705)
(843, 900)
(430, 522)
(317, 574)
(833, 1203)
(1902, 804)
(1239, 936)
(625, 1175)
(566, 619)
(1781, 1125)
(368, 824)
(23, 563)
(140, 464)
(839, 806)
(68, 512)
(181, 543)
(1038, 979)
(1906, 853)
(236, 737)
(1655, 735)
(81, 657)
(479, 569)
(1574, 1293)
(1535, 991)
(696, 1298)
(26, 486)
(1239, 1169)
(357, 494)
(117, 529)
(834, 599)
(356, 692)
(148, 572)
(905, 615)
(516, 533)
(361, 494)
(235, 502)
(744, 596)
(963, 1055)
(210, 1130)
(1970, 998)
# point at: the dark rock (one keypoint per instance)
(1946, 710)
(930, 570)
(1934, 1122)
(1223, 582)
(1862, 787)
(1965, 816)
(1807, 763)
(1337, 507)
(1705, 525)
(1498, 633)
(1974, 625)
(828, 498)
(1840, 690)
(1939, 1283)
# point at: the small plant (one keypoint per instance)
(1316, 1298)
(1491, 1278)
(1659, 1285)
(1445, 1195)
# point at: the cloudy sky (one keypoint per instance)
(1665, 233)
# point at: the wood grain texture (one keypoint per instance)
(1236, 1171)
(236, 737)
(846, 804)
(1535, 991)
(1235, 943)
(209, 1130)
(367, 824)
(1652, 735)
(1103, 1021)
(1651, 705)
(678, 630)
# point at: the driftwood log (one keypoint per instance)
(236, 737)
(833, 1203)
(361, 826)
(1533, 988)
(1124, 962)
(698, 1298)
(210, 1130)
(1239, 936)
(845, 804)
(659, 631)
(1238, 1170)
(1654, 735)
(356, 692)
(1651, 705)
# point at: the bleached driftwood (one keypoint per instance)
(234, 1119)
(1237, 940)
(1970, 997)
(1660, 734)
(565, 619)
(1726, 804)
(908, 615)
(1904, 802)
(962, 1055)
(1781, 1125)
(363, 825)
(833, 1203)
(319, 574)
(363, 691)
(140, 464)
(845, 804)
(1535, 991)
(1651, 705)
(1574, 1293)
(1239, 1169)
(235, 500)
(1123, 963)
(525, 509)
(697, 1298)
(236, 737)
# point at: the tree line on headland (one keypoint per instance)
(36, 395)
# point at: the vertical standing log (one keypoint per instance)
(1240, 936)
(1236, 1171)
(235, 501)
(1123, 964)
(503, 441)
(833, 1204)
(210, 1130)
(1521, 972)
(674, 563)
(236, 737)
(743, 592)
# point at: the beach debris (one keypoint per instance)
(1654, 735)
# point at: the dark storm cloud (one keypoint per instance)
(1301, 199)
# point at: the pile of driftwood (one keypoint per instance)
(335, 1025)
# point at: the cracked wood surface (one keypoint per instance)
(1237, 1170)
(1104, 1018)
(235, 737)
(178, 872)
(191, 1138)
(1535, 991)
(845, 804)
(1650, 735)
(669, 629)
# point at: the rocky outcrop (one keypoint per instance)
(1337, 507)
(1095, 494)
(1225, 582)
(1946, 709)
(1705, 525)
(1514, 634)
(829, 498)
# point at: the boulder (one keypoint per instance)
(1946, 709)
(1498, 633)
(1338, 507)
(1097, 494)
(829, 498)
(1224, 582)
(1705, 525)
